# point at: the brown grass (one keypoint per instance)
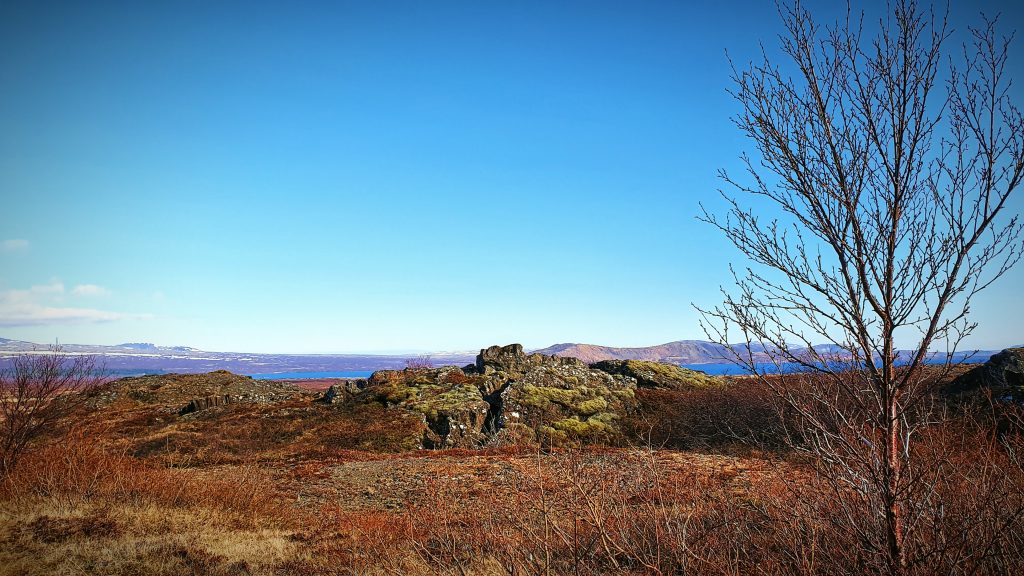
(296, 488)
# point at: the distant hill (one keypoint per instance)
(679, 352)
(133, 357)
(136, 357)
(704, 352)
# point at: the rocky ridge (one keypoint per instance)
(510, 397)
(506, 397)
(188, 393)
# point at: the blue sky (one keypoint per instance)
(376, 176)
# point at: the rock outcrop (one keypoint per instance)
(658, 375)
(206, 402)
(452, 405)
(508, 396)
(181, 390)
(1003, 374)
(342, 392)
(562, 401)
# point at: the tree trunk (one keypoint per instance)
(892, 475)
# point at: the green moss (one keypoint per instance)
(432, 400)
(658, 374)
(544, 396)
(582, 429)
(553, 436)
(591, 406)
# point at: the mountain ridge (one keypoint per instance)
(678, 351)
(705, 352)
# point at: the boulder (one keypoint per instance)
(342, 391)
(331, 395)
(550, 399)
(512, 360)
(507, 396)
(1003, 374)
(566, 403)
(450, 401)
(198, 404)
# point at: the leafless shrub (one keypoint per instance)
(36, 392)
(738, 417)
(890, 186)
(78, 469)
(419, 363)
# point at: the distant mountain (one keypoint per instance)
(679, 352)
(703, 352)
(138, 345)
(135, 357)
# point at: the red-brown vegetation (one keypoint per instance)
(294, 488)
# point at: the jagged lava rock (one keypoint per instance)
(658, 374)
(552, 399)
(342, 391)
(510, 359)
(206, 402)
(508, 396)
(1003, 374)
(452, 403)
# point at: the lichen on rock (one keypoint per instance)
(658, 374)
(508, 397)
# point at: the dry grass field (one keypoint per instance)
(283, 484)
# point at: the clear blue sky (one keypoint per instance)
(374, 176)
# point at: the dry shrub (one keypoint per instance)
(455, 377)
(616, 512)
(337, 541)
(372, 427)
(965, 495)
(581, 512)
(736, 417)
(80, 470)
(38, 392)
(54, 530)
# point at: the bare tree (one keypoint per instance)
(419, 363)
(36, 392)
(889, 168)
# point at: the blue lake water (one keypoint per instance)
(308, 375)
(720, 369)
(717, 369)
(729, 369)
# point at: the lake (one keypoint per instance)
(312, 375)
(729, 369)
(720, 369)
(716, 369)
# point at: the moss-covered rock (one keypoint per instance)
(568, 403)
(508, 397)
(189, 393)
(451, 402)
(658, 374)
